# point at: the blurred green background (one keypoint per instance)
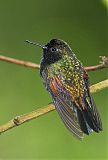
(82, 24)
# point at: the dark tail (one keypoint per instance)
(89, 118)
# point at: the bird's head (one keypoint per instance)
(53, 50)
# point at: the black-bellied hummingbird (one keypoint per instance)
(68, 83)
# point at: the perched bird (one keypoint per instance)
(68, 83)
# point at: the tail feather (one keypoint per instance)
(99, 122)
(89, 118)
(85, 127)
(90, 121)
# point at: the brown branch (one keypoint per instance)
(103, 64)
(26, 117)
(39, 112)
(19, 62)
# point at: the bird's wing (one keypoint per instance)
(65, 106)
(75, 105)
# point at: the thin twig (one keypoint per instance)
(103, 64)
(39, 112)
(19, 62)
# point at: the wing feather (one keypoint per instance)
(65, 107)
(68, 119)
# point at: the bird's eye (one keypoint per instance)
(54, 49)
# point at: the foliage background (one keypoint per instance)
(83, 25)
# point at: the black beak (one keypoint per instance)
(40, 45)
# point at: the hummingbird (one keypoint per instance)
(68, 83)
